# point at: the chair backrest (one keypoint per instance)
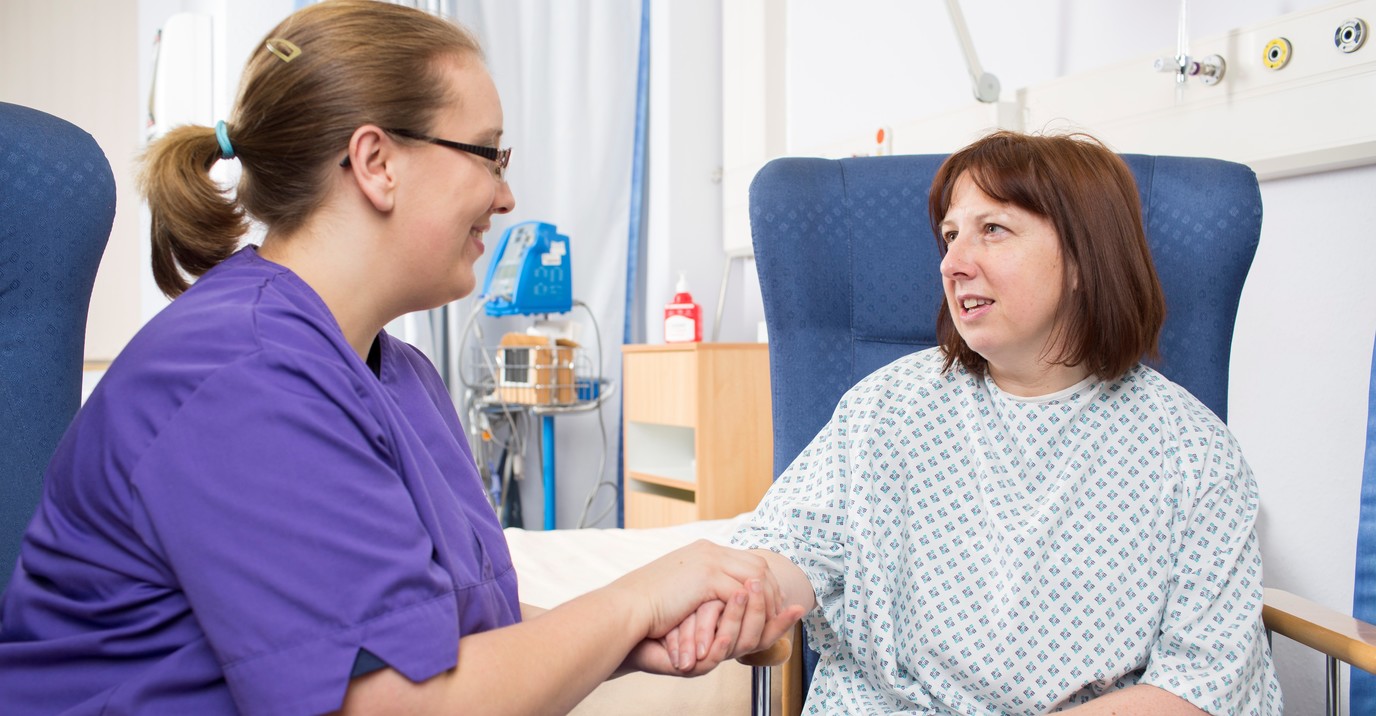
(57, 204)
(849, 273)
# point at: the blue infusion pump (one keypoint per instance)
(530, 272)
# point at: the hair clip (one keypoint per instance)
(283, 48)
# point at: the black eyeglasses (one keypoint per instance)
(499, 157)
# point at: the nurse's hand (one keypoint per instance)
(663, 593)
(726, 631)
(704, 631)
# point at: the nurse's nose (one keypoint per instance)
(504, 201)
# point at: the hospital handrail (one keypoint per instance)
(1341, 638)
(776, 654)
(1325, 630)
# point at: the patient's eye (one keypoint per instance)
(948, 236)
(994, 229)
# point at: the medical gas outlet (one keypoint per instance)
(1350, 35)
(1276, 54)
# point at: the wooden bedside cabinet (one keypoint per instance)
(698, 442)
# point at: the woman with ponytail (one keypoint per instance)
(268, 505)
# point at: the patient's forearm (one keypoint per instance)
(792, 581)
(1139, 699)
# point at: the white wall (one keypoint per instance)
(868, 63)
(1303, 343)
(683, 196)
(1298, 394)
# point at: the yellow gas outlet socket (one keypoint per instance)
(1276, 54)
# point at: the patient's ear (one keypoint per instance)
(372, 165)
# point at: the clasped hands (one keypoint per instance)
(712, 603)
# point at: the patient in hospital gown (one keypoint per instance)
(1026, 518)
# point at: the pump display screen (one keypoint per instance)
(509, 267)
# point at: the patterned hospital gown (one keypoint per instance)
(973, 552)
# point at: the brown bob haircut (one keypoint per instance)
(1111, 317)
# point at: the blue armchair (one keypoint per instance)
(849, 273)
(57, 203)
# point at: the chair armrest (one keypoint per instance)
(1338, 635)
(776, 654)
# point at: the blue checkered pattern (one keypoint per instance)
(57, 204)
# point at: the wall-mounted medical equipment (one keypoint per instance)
(985, 85)
(1350, 35)
(530, 273)
(1276, 54)
(183, 74)
(1209, 69)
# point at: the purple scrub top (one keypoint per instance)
(239, 508)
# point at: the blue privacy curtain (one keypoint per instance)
(1364, 591)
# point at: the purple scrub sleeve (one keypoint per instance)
(305, 493)
(242, 506)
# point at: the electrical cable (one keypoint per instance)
(602, 427)
(517, 444)
(602, 464)
(477, 392)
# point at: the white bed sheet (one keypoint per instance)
(556, 566)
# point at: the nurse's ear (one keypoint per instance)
(371, 163)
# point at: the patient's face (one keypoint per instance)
(1002, 275)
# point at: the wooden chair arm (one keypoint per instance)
(776, 654)
(1338, 635)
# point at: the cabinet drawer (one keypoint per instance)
(661, 387)
(657, 509)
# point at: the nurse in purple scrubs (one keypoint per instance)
(268, 505)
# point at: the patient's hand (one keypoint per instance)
(717, 632)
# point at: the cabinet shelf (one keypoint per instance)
(663, 481)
